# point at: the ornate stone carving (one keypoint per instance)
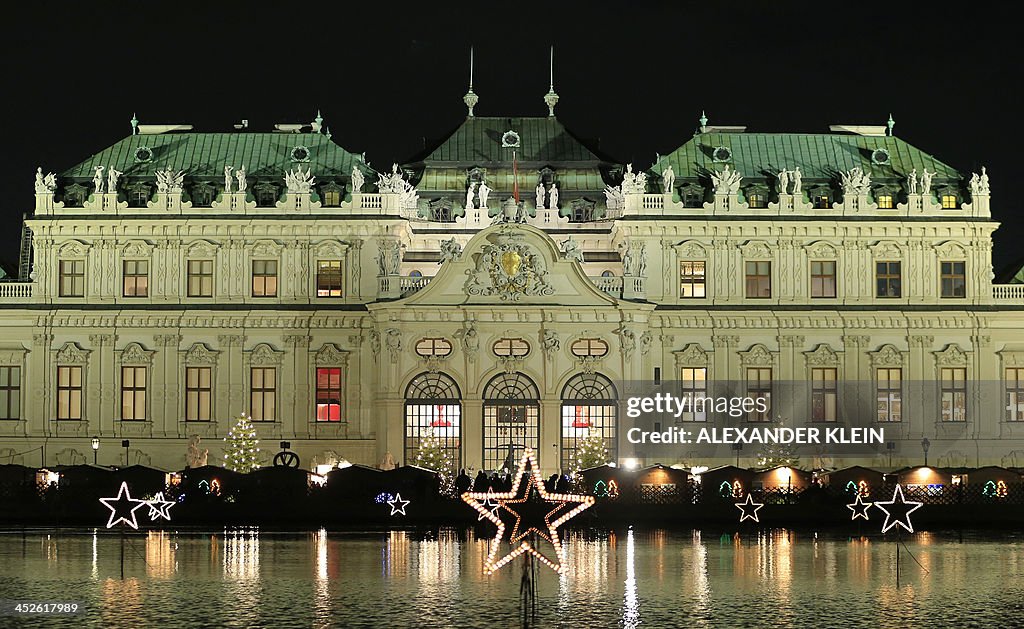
(71, 353)
(634, 258)
(691, 249)
(979, 183)
(756, 249)
(45, 184)
(855, 181)
(357, 180)
(73, 248)
(264, 354)
(202, 249)
(393, 341)
(389, 257)
(633, 183)
(329, 354)
(887, 356)
(645, 342)
(951, 356)
(950, 249)
(550, 343)
(470, 340)
(691, 356)
(134, 354)
(757, 356)
(886, 249)
(194, 457)
(451, 250)
(571, 250)
(821, 249)
(822, 356)
(375, 344)
(199, 354)
(298, 181)
(267, 248)
(509, 269)
(627, 341)
(169, 181)
(726, 182)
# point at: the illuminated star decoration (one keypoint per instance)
(897, 511)
(160, 507)
(489, 505)
(859, 508)
(518, 503)
(123, 508)
(397, 504)
(749, 508)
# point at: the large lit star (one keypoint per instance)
(898, 510)
(530, 516)
(749, 508)
(160, 507)
(123, 508)
(859, 508)
(397, 504)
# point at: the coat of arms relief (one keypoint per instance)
(509, 269)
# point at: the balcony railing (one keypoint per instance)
(412, 283)
(608, 284)
(18, 290)
(1008, 292)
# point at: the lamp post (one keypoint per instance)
(95, 449)
(925, 444)
(124, 444)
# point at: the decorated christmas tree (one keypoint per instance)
(241, 449)
(777, 454)
(432, 455)
(590, 452)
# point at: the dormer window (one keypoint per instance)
(885, 201)
(74, 195)
(266, 194)
(441, 211)
(583, 211)
(331, 194)
(820, 200)
(202, 195)
(138, 194)
(757, 200)
(949, 201)
(692, 196)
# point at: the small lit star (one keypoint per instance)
(859, 508)
(490, 505)
(397, 504)
(898, 510)
(123, 508)
(160, 507)
(748, 509)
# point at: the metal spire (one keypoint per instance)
(135, 125)
(551, 98)
(703, 122)
(891, 123)
(470, 98)
(318, 122)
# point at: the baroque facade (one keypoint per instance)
(176, 279)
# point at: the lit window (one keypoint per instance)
(1015, 394)
(953, 279)
(691, 280)
(759, 280)
(949, 202)
(69, 393)
(72, 278)
(694, 383)
(200, 278)
(198, 394)
(328, 278)
(264, 278)
(328, 394)
(433, 347)
(511, 347)
(954, 394)
(10, 392)
(589, 347)
(889, 394)
(820, 201)
(331, 195)
(759, 385)
(757, 200)
(888, 279)
(823, 278)
(136, 278)
(263, 393)
(133, 393)
(885, 202)
(433, 411)
(824, 399)
(589, 411)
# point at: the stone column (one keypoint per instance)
(550, 458)
(101, 382)
(165, 383)
(299, 365)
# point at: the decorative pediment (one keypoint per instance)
(137, 249)
(202, 249)
(200, 354)
(267, 248)
(134, 354)
(887, 356)
(73, 248)
(951, 356)
(950, 249)
(72, 354)
(330, 249)
(509, 269)
(691, 356)
(821, 249)
(13, 354)
(822, 356)
(329, 354)
(886, 249)
(757, 356)
(756, 249)
(690, 249)
(264, 354)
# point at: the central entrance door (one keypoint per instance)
(511, 420)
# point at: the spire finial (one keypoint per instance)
(328, 133)
(135, 124)
(703, 122)
(318, 122)
(470, 98)
(891, 123)
(551, 98)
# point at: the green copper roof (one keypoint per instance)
(478, 141)
(205, 155)
(819, 156)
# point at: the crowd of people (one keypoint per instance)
(501, 482)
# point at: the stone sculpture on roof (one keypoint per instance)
(240, 176)
(97, 180)
(483, 192)
(855, 181)
(926, 181)
(227, 178)
(727, 182)
(540, 196)
(169, 182)
(357, 180)
(112, 176)
(45, 184)
(668, 179)
(783, 176)
(553, 197)
(912, 182)
(470, 191)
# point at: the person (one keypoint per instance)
(480, 482)
(551, 483)
(562, 486)
(462, 482)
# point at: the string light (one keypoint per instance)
(160, 507)
(398, 505)
(749, 508)
(477, 500)
(121, 509)
(897, 513)
(859, 508)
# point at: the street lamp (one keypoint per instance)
(925, 444)
(124, 444)
(95, 449)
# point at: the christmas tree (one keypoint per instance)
(777, 454)
(432, 455)
(241, 450)
(590, 452)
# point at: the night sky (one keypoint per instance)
(634, 74)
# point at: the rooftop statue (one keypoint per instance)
(783, 176)
(483, 192)
(169, 182)
(227, 179)
(470, 191)
(797, 180)
(45, 184)
(97, 180)
(298, 181)
(613, 197)
(668, 179)
(112, 175)
(571, 250)
(912, 182)
(240, 176)
(984, 181)
(855, 181)
(926, 182)
(541, 193)
(357, 180)
(633, 183)
(553, 197)
(727, 182)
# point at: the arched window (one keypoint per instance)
(433, 407)
(511, 420)
(589, 409)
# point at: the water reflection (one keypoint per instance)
(631, 604)
(160, 561)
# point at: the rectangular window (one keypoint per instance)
(824, 399)
(759, 280)
(10, 392)
(1014, 394)
(198, 394)
(694, 384)
(887, 279)
(264, 278)
(202, 196)
(820, 201)
(823, 278)
(949, 201)
(757, 201)
(759, 385)
(885, 202)
(328, 394)
(332, 197)
(200, 278)
(72, 278)
(133, 393)
(691, 280)
(69, 393)
(889, 386)
(953, 279)
(954, 394)
(263, 388)
(328, 278)
(135, 278)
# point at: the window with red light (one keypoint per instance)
(328, 394)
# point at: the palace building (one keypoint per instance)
(178, 278)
